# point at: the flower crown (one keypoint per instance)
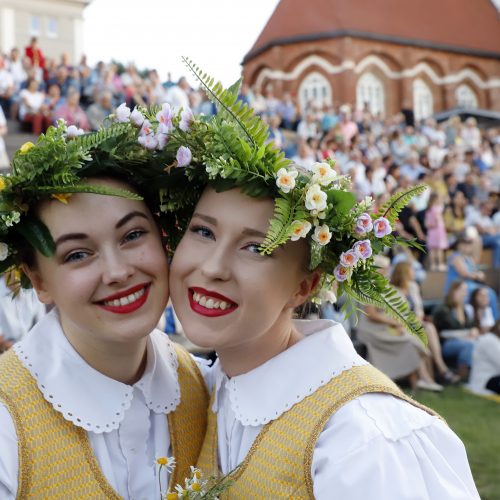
(175, 155)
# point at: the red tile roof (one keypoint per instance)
(470, 26)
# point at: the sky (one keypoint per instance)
(215, 34)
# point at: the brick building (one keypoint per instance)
(424, 55)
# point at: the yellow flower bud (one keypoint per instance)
(3, 184)
(26, 147)
(62, 197)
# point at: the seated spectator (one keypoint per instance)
(456, 328)
(305, 156)
(19, 312)
(72, 112)
(490, 235)
(403, 278)
(97, 112)
(52, 101)
(392, 349)
(30, 109)
(481, 310)
(461, 266)
(4, 159)
(308, 127)
(485, 371)
(7, 86)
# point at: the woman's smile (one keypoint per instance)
(209, 303)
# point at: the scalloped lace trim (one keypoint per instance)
(107, 425)
(60, 407)
(281, 406)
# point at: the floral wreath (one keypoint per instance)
(175, 155)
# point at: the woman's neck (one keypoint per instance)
(121, 361)
(245, 357)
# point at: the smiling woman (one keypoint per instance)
(295, 411)
(93, 394)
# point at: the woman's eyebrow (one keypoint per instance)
(206, 218)
(70, 236)
(129, 216)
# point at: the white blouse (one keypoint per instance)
(126, 425)
(376, 446)
(485, 363)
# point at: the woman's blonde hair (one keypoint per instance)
(401, 275)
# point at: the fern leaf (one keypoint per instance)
(384, 296)
(399, 200)
(279, 226)
(89, 188)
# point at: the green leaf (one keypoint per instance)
(343, 201)
(89, 188)
(36, 233)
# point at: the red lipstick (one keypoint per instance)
(205, 311)
(130, 307)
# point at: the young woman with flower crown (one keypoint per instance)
(93, 394)
(294, 409)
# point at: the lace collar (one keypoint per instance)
(85, 396)
(269, 390)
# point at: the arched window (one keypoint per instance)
(370, 90)
(466, 97)
(423, 102)
(315, 88)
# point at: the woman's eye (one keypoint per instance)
(134, 235)
(202, 231)
(77, 256)
(253, 247)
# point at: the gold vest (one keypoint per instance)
(56, 460)
(278, 465)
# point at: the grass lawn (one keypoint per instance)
(477, 422)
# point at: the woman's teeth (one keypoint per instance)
(123, 301)
(209, 302)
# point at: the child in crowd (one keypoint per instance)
(93, 394)
(437, 239)
(294, 409)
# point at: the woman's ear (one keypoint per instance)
(38, 284)
(305, 289)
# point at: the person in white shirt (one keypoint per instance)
(230, 297)
(18, 313)
(93, 394)
(485, 371)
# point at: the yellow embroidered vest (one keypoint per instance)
(55, 457)
(278, 465)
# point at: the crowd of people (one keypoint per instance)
(456, 221)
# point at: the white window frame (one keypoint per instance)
(35, 30)
(423, 100)
(315, 86)
(370, 89)
(52, 33)
(466, 97)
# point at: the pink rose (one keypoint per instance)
(364, 224)
(363, 249)
(382, 227)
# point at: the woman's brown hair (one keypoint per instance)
(401, 275)
(449, 300)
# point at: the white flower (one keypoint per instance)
(137, 118)
(327, 296)
(315, 198)
(187, 118)
(11, 219)
(146, 128)
(4, 251)
(73, 131)
(322, 235)
(148, 141)
(285, 179)
(300, 228)
(323, 173)
(122, 113)
(162, 140)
